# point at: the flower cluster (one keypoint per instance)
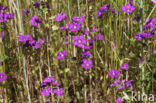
(25, 12)
(35, 21)
(29, 41)
(143, 35)
(103, 9)
(50, 85)
(150, 24)
(5, 16)
(41, 4)
(3, 76)
(60, 17)
(121, 84)
(128, 8)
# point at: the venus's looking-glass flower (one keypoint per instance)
(60, 17)
(58, 91)
(153, 2)
(46, 91)
(128, 8)
(78, 19)
(79, 41)
(114, 73)
(74, 26)
(105, 7)
(3, 76)
(119, 100)
(87, 64)
(124, 66)
(62, 55)
(35, 21)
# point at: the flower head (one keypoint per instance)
(105, 7)
(79, 41)
(124, 66)
(87, 64)
(3, 76)
(46, 91)
(153, 2)
(74, 27)
(36, 4)
(128, 8)
(60, 17)
(35, 21)
(119, 100)
(114, 73)
(78, 19)
(58, 91)
(62, 55)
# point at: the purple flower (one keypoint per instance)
(87, 64)
(124, 66)
(3, 8)
(119, 100)
(153, 2)
(128, 83)
(24, 12)
(55, 83)
(74, 27)
(99, 13)
(87, 47)
(60, 17)
(35, 21)
(79, 41)
(114, 11)
(78, 19)
(2, 17)
(46, 91)
(154, 51)
(114, 73)
(105, 7)
(37, 4)
(48, 79)
(115, 83)
(99, 37)
(85, 32)
(9, 15)
(95, 29)
(137, 19)
(121, 87)
(62, 55)
(3, 76)
(86, 54)
(24, 38)
(128, 8)
(58, 91)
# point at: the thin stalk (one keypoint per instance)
(24, 62)
(141, 23)
(78, 5)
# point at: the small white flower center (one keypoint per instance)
(79, 41)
